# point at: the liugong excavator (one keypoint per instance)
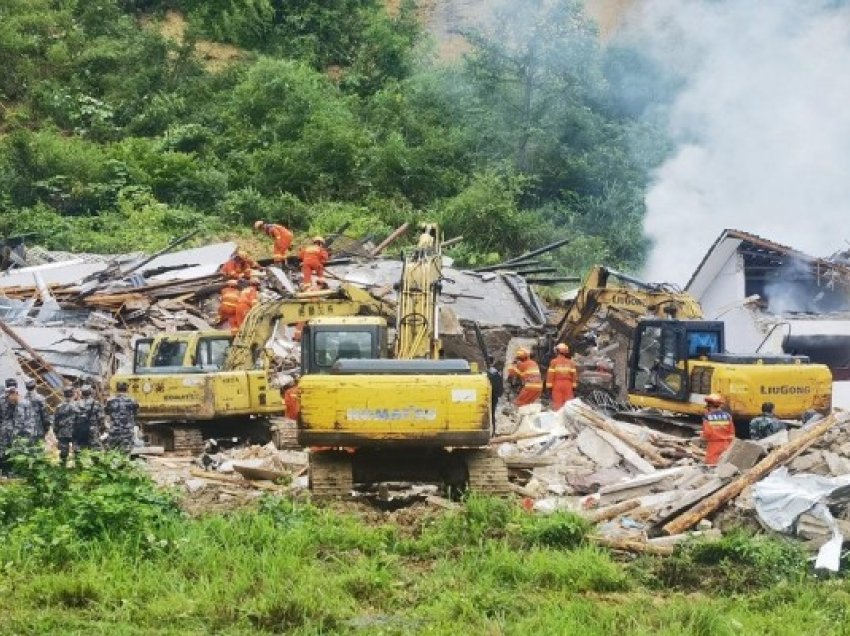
(372, 417)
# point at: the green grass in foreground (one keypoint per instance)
(296, 568)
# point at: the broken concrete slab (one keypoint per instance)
(597, 449)
(742, 454)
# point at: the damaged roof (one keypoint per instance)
(731, 241)
(490, 299)
(72, 352)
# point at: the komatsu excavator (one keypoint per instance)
(372, 417)
(194, 385)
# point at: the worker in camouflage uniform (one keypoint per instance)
(6, 426)
(766, 424)
(122, 409)
(21, 417)
(42, 413)
(64, 421)
(90, 423)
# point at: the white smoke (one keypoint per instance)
(761, 125)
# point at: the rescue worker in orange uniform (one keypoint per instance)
(239, 265)
(249, 297)
(282, 237)
(528, 373)
(229, 303)
(718, 429)
(313, 258)
(562, 376)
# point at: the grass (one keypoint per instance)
(488, 569)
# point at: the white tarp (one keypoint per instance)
(781, 498)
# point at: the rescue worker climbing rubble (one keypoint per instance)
(528, 373)
(561, 377)
(718, 429)
(228, 306)
(240, 265)
(248, 297)
(313, 258)
(281, 237)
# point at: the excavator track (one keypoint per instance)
(487, 473)
(331, 475)
(187, 440)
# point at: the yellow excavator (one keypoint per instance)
(193, 385)
(669, 358)
(372, 416)
(674, 364)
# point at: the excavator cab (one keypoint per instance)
(184, 351)
(661, 351)
(327, 340)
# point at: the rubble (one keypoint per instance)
(625, 478)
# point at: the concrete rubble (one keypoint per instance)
(637, 482)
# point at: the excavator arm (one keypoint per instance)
(261, 321)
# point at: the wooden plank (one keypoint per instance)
(777, 457)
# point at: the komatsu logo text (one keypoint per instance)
(786, 389)
(359, 415)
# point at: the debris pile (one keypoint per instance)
(650, 490)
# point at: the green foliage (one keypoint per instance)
(737, 562)
(114, 137)
(559, 530)
(57, 514)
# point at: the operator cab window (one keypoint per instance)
(140, 356)
(331, 346)
(170, 353)
(212, 352)
(660, 370)
(703, 343)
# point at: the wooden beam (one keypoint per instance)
(776, 458)
(399, 231)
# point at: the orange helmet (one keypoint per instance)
(319, 239)
(240, 253)
(522, 353)
(715, 399)
(258, 225)
(562, 347)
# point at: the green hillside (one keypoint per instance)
(124, 123)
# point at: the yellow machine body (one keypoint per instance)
(675, 364)
(194, 378)
(406, 409)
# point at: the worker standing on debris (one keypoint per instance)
(527, 372)
(64, 421)
(239, 265)
(228, 305)
(562, 376)
(718, 429)
(42, 413)
(766, 424)
(313, 258)
(248, 297)
(122, 410)
(88, 428)
(282, 237)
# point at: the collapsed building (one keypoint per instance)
(775, 299)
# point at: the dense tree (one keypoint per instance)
(115, 137)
